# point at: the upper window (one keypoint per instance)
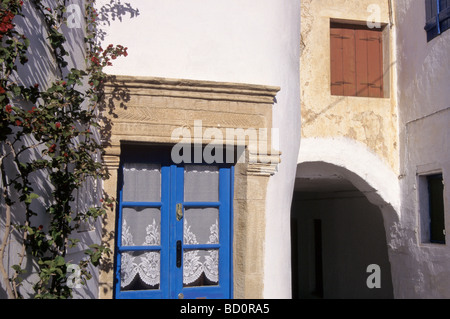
(356, 60)
(438, 17)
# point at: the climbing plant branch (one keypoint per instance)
(47, 135)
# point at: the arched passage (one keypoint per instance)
(339, 221)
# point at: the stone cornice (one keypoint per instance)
(148, 109)
(208, 90)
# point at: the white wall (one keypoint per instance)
(236, 41)
(424, 106)
(251, 41)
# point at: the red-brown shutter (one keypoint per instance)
(356, 62)
(349, 62)
(375, 61)
(337, 78)
(362, 82)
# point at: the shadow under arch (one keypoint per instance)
(354, 161)
(344, 206)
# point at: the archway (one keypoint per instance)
(338, 231)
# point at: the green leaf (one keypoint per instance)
(16, 90)
(18, 269)
(73, 242)
(30, 197)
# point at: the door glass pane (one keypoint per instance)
(201, 183)
(141, 182)
(201, 226)
(140, 270)
(200, 267)
(141, 226)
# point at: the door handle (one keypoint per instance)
(178, 253)
(179, 212)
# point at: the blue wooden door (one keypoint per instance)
(174, 231)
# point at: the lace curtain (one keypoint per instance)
(142, 227)
(201, 266)
(141, 182)
(201, 183)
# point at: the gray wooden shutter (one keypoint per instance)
(437, 17)
(444, 15)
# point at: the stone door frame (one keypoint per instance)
(148, 109)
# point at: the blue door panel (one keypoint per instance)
(171, 272)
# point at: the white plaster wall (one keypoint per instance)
(286, 117)
(251, 41)
(236, 41)
(422, 66)
(424, 109)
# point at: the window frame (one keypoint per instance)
(376, 88)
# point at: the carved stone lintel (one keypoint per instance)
(207, 90)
